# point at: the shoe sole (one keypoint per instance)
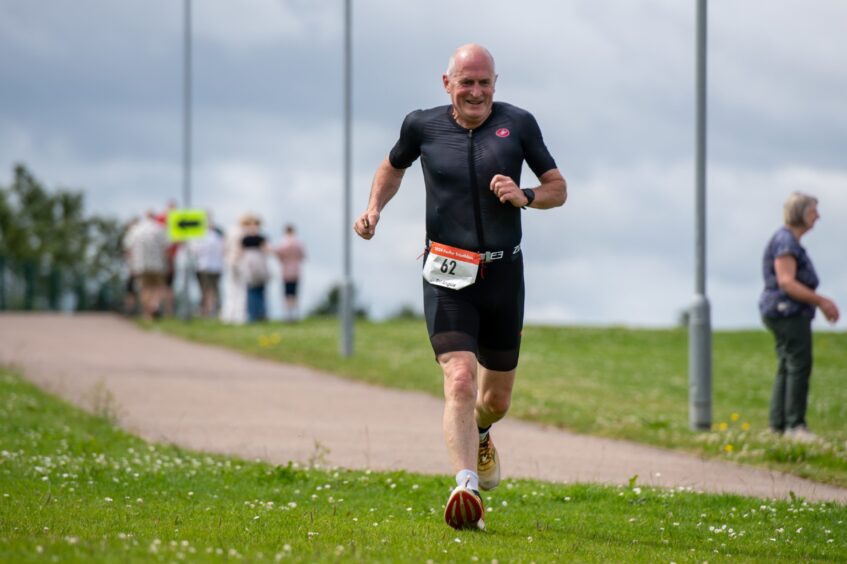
(464, 511)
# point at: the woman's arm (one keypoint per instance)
(785, 267)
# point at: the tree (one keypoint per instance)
(331, 304)
(47, 242)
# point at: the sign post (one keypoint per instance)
(185, 225)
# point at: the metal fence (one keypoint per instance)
(29, 286)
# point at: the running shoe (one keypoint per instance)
(800, 434)
(488, 464)
(464, 509)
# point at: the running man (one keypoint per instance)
(472, 152)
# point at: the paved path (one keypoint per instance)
(211, 399)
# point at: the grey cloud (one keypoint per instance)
(95, 102)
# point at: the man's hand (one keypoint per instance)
(365, 225)
(507, 191)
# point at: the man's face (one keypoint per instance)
(471, 89)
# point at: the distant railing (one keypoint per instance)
(29, 286)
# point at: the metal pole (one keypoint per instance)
(186, 150)
(186, 109)
(700, 330)
(347, 284)
(2, 283)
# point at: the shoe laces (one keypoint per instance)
(486, 451)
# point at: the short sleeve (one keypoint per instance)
(785, 245)
(536, 154)
(408, 146)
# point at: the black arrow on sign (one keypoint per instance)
(186, 223)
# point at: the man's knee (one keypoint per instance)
(459, 377)
(496, 403)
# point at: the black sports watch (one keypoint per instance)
(530, 196)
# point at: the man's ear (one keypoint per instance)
(446, 80)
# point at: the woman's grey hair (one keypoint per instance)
(795, 208)
(451, 64)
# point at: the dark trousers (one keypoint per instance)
(256, 303)
(793, 337)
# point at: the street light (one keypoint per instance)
(186, 148)
(186, 108)
(346, 301)
(700, 329)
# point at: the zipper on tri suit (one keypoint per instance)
(475, 199)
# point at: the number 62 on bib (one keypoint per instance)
(450, 267)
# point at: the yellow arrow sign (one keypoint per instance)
(184, 224)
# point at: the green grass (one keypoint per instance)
(614, 382)
(75, 489)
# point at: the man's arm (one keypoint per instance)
(385, 185)
(551, 193)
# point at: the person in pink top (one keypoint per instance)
(291, 255)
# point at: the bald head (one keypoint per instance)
(470, 80)
(466, 53)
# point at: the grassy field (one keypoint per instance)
(614, 382)
(75, 489)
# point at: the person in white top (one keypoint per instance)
(146, 244)
(208, 255)
(234, 306)
(291, 255)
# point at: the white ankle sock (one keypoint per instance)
(468, 478)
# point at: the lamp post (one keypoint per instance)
(346, 302)
(700, 330)
(186, 107)
(186, 149)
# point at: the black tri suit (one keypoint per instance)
(461, 211)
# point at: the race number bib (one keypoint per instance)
(450, 267)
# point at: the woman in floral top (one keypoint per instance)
(788, 305)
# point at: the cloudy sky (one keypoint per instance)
(91, 99)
